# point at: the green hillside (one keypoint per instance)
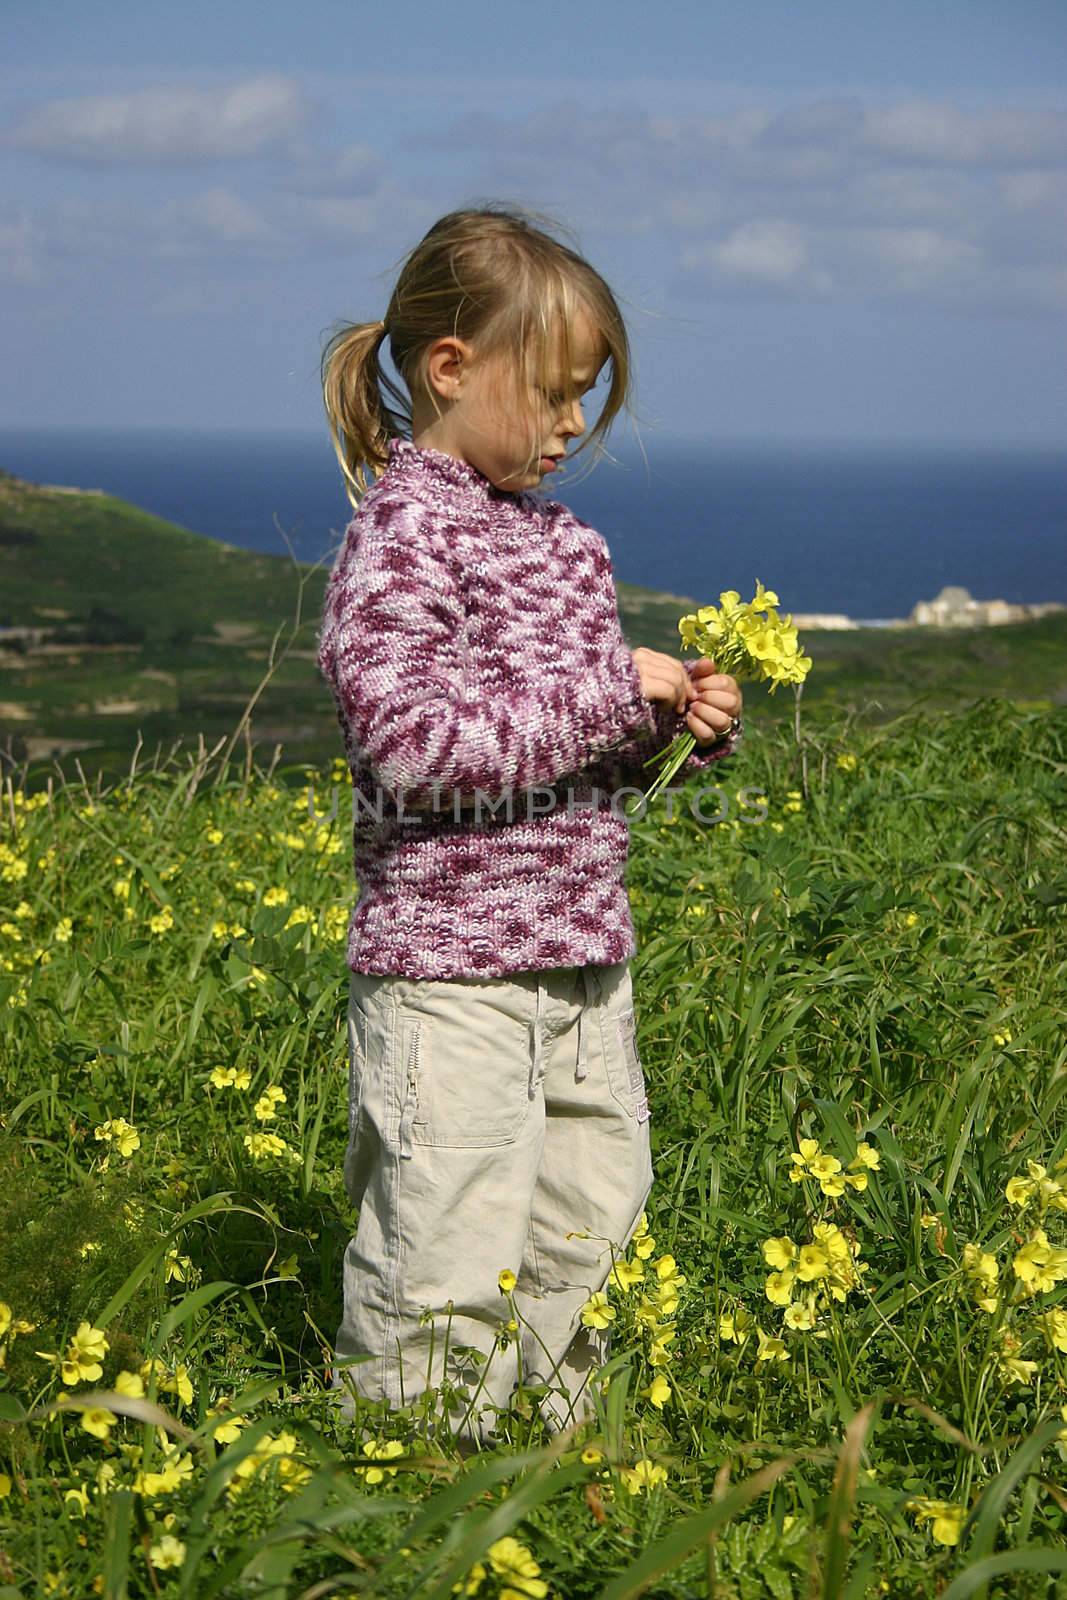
(150, 631)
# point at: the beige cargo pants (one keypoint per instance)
(494, 1123)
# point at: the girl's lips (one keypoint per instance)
(549, 463)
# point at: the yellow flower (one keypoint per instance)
(980, 1264)
(169, 1552)
(946, 1519)
(506, 1280)
(177, 1267)
(174, 1470)
(261, 1146)
(381, 1452)
(735, 1326)
(770, 1349)
(63, 930)
(812, 1263)
(85, 1352)
(597, 1313)
(591, 1456)
(658, 1354)
(1040, 1265)
(779, 1287)
(97, 1421)
(130, 1384)
(122, 1134)
(1019, 1190)
(847, 762)
(514, 1565)
(867, 1156)
(658, 1392)
(161, 921)
(801, 1314)
(77, 1500)
(265, 1107)
(643, 1475)
(276, 896)
(1053, 1324)
(223, 1077)
(5, 1485)
(121, 888)
(830, 1238)
(779, 1253)
(625, 1274)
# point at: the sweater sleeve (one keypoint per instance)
(391, 646)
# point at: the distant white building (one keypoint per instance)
(956, 607)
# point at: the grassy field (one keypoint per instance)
(839, 1362)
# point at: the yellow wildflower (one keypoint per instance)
(642, 1476)
(800, 1316)
(122, 1134)
(506, 1280)
(380, 1452)
(770, 1348)
(77, 1500)
(735, 1326)
(597, 1312)
(265, 1108)
(1040, 1265)
(625, 1274)
(812, 1263)
(97, 1421)
(779, 1287)
(658, 1392)
(779, 1253)
(169, 1552)
(946, 1519)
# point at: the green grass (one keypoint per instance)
(879, 961)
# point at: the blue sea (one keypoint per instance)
(867, 530)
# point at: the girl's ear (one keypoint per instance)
(446, 363)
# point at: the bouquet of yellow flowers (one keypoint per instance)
(746, 640)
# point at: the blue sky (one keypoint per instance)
(823, 220)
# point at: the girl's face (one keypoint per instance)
(496, 421)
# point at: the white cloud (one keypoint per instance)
(209, 219)
(932, 131)
(165, 125)
(768, 251)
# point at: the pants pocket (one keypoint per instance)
(625, 1075)
(464, 1063)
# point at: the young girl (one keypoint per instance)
(490, 710)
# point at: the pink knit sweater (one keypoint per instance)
(471, 639)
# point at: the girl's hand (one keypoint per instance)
(664, 679)
(715, 702)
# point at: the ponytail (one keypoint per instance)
(361, 424)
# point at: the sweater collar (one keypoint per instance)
(436, 466)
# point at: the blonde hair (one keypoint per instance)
(492, 278)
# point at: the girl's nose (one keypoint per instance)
(574, 416)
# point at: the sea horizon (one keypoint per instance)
(861, 528)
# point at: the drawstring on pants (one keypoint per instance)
(592, 993)
(591, 983)
(537, 1070)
